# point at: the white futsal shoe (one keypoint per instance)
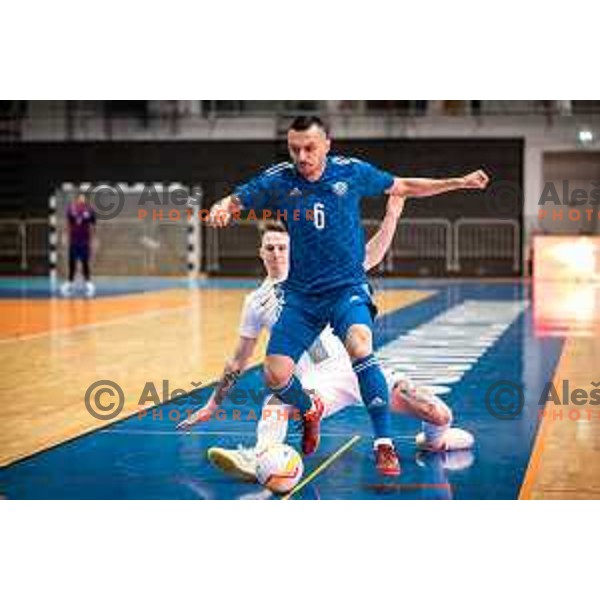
(452, 439)
(66, 289)
(240, 463)
(90, 289)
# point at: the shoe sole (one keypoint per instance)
(391, 471)
(226, 463)
(387, 473)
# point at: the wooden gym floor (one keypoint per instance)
(53, 349)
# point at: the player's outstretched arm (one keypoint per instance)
(381, 241)
(222, 211)
(231, 373)
(420, 188)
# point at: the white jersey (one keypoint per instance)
(262, 308)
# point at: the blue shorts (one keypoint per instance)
(79, 252)
(304, 316)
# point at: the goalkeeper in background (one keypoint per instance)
(79, 236)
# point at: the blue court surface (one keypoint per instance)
(144, 457)
(41, 287)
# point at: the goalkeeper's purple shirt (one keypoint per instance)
(80, 218)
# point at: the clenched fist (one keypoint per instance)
(478, 180)
(219, 216)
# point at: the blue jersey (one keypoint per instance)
(327, 245)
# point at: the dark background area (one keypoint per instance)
(31, 171)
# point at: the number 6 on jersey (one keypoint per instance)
(319, 215)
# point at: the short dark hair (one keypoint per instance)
(305, 122)
(272, 226)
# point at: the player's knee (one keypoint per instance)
(278, 372)
(359, 341)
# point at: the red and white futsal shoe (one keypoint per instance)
(311, 425)
(386, 459)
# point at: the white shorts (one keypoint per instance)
(337, 385)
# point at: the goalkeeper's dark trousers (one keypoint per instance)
(81, 254)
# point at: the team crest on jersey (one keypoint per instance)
(295, 193)
(340, 188)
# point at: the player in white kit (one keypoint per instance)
(325, 368)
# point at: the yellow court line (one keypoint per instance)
(323, 466)
(540, 441)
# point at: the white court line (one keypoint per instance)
(78, 328)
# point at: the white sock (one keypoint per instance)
(273, 425)
(434, 433)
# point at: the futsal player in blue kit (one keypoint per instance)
(319, 196)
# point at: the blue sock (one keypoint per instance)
(375, 394)
(293, 394)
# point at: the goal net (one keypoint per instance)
(141, 229)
